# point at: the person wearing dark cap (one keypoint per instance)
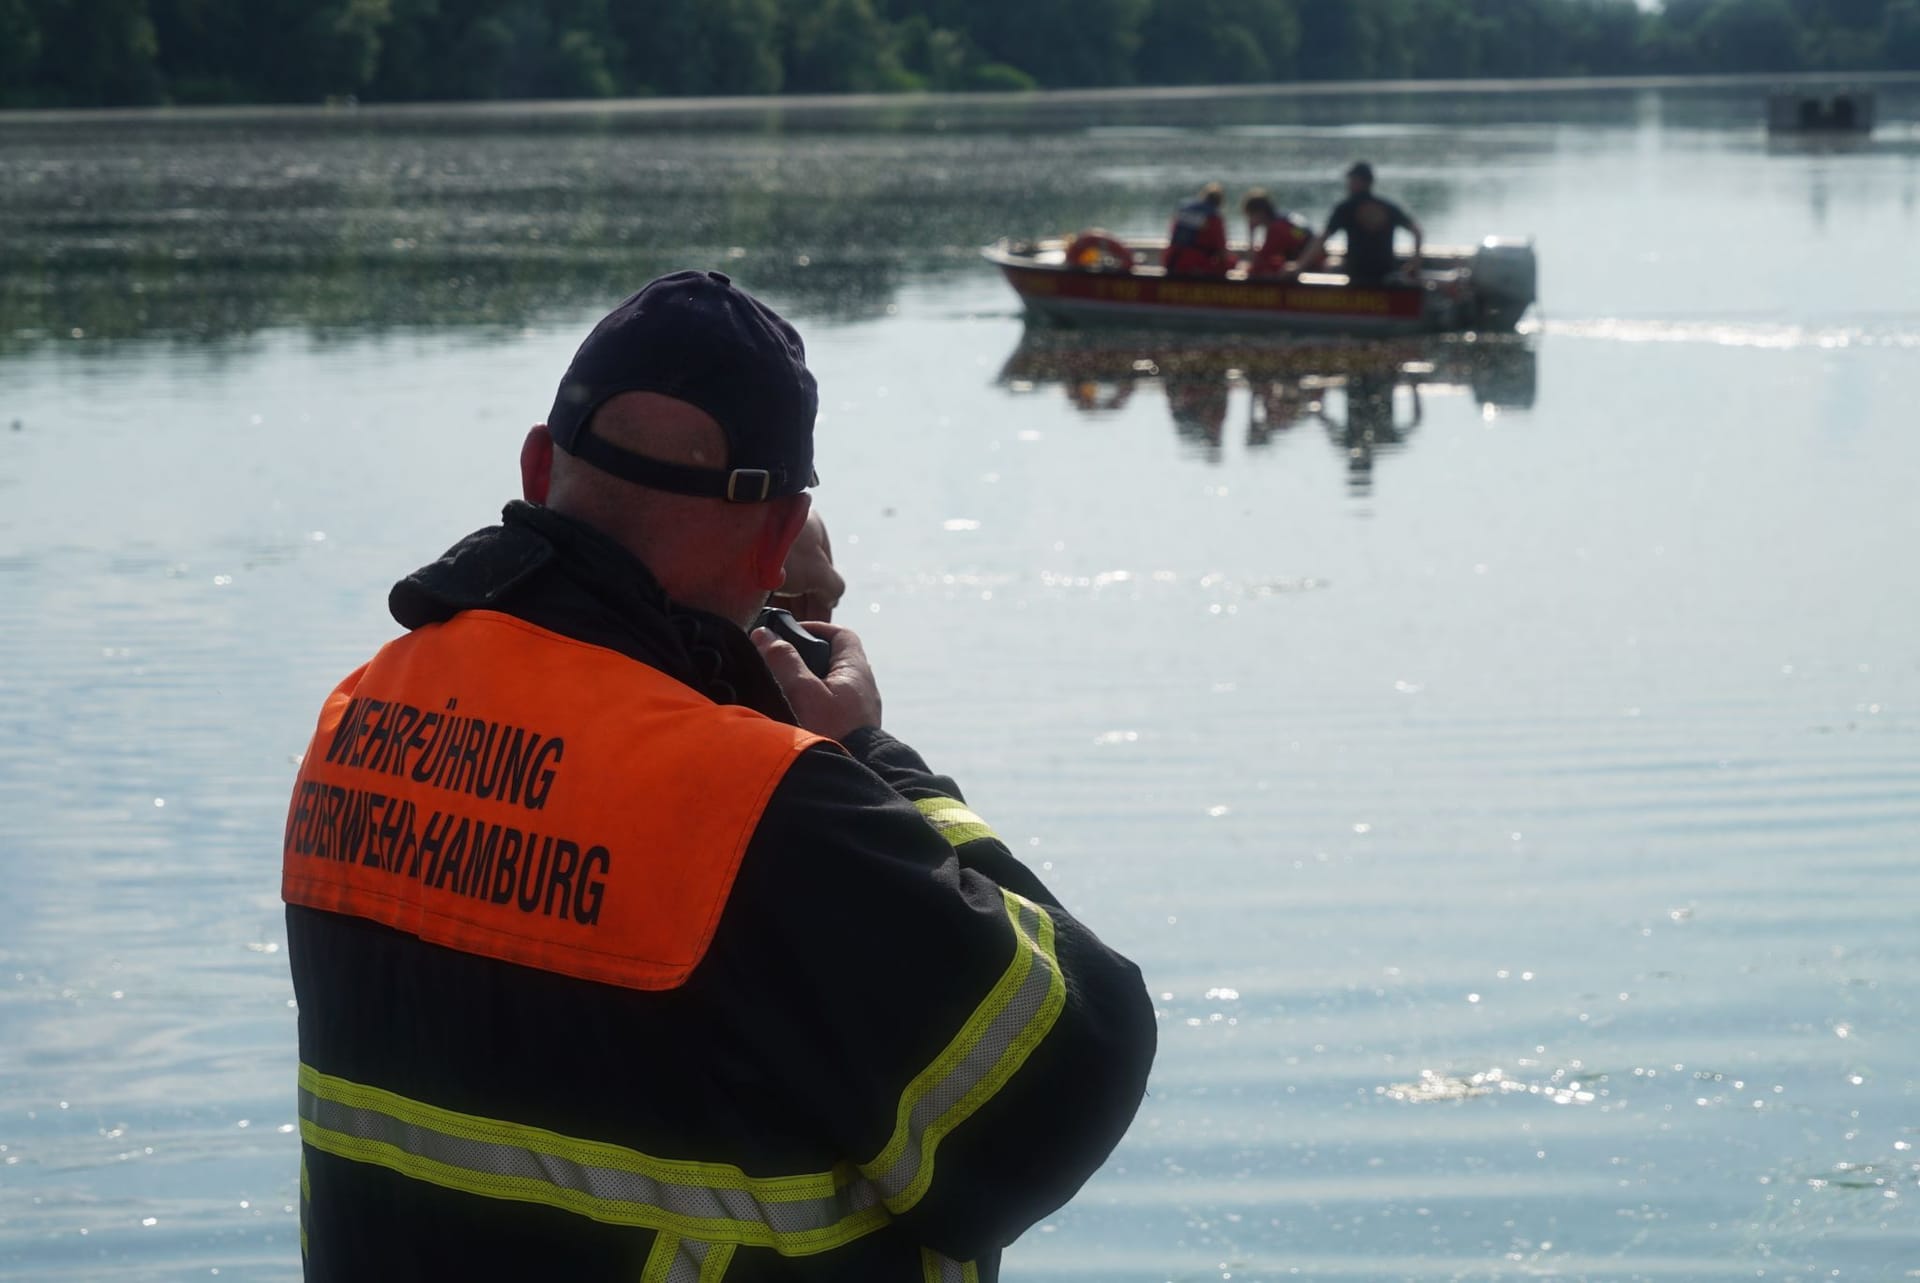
(1197, 237)
(627, 949)
(1368, 222)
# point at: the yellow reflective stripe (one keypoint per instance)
(306, 1202)
(714, 1267)
(702, 1210)
(666, 1247)
(685, 1260)
(990, 1047)
(587, 1153)
(608, 1211)
(935, 1268)
(712, 1202)
(954, 822)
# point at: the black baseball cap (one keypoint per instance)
(1360, 169)
(699, 338)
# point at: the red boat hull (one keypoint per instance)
(1443, 300)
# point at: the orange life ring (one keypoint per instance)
(1095, 250)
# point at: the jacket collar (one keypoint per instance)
(539, 549)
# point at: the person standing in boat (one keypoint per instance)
(1197, 238)
(1368, 222)
(1274, 238)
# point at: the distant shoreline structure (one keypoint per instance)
(558, 108)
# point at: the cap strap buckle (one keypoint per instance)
(737, 494)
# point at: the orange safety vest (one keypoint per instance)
(510, 792)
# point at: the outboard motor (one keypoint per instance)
(1506, 281)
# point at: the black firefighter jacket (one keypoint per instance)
(847, 1086)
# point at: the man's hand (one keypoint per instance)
(837, 705)
(813, 587)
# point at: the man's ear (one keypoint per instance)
(536, 464)
(785, 518)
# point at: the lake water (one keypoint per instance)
(1503, 759)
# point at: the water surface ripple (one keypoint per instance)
(1501, 757)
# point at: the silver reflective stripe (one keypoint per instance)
(686, 1260)
(691, 1261)
(1018, 1026)
(688, 1256)
(640, 1197)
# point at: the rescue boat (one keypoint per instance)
(1097, 279)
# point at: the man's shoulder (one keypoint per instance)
(475, 573)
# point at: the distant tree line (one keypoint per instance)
(117, 52)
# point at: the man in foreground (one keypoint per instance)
(626, 948)
(1368, 221)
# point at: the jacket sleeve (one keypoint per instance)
(925, 1002)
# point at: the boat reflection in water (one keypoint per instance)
(1366, 396)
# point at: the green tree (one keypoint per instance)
(535, 49)
(1196, 42)
(839, 46)
(1839, 33)
(580, 67)
(1060, 43)
(1900, 35)
(1864, 14)
(585, 53)
(1449, 42)
(1341, 39)
(413, 53)
(1684, 16)
(702, 46)
(486, 61)
(934, 56)
(95, 53)
(1608, 38)
(1521, 38)
(1749, 35)
(344, 42)
(198, 49)
(268, 50)
(19, 50)
(103, 52)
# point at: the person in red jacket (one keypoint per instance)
(627, 949)
(1274, 238)
(1197, 237)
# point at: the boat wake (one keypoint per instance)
(1751, 334)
